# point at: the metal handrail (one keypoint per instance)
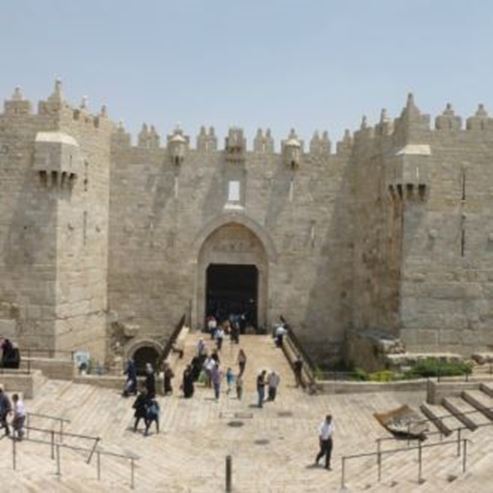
(91, 451)
(379, 453)
(50, 352)
(171, 340)
(296, 342)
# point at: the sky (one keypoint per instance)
(307, 64)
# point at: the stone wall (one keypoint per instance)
(162, 214)
(391, 232)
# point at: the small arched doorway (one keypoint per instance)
(144, 352)
(232, 272)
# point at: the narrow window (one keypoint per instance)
(234, 191)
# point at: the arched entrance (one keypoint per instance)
(144, 351)
(232, 275)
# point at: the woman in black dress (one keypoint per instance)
(188, 387)
(168, 376)
(140, 405)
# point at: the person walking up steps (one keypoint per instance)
(140, 406)
(241, 360)
(273, 381)
(168, 375)
(216, 377)
(230, 378)
(152, 415)
(325, 434)
(261, 388)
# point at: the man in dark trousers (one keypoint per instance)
(298, 369)
(325, 434)
(5, 409)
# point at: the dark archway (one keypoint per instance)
(232, 289)
(143, 355)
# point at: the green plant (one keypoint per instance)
(360, 375)
(382, 376)
(431, 367)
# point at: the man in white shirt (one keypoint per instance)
(19, 416)
(326, 431)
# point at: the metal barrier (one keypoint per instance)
(56, 448)
(171, 340)
(60, 421)
(380, 453)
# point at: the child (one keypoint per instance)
(152, 414)
(239, 387)
(229, 379)
(19, 416)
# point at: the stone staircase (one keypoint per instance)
(272, 448)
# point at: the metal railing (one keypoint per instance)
(308, 365)
(61, 421)
(48, 353)
(380, 453)
(57, 446)
(171, 340)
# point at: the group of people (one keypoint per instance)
(15, 408)
(231, 327)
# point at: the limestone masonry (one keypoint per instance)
(391, 231)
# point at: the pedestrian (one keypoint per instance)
(152, 415)
(261, 388)
(209, 364)
(325, 434)
(280, 333)
(216, 376)
(201, 347)
(131, 382)
(219, 338)
(273, 381)
(215, 356)
(150, 381)
(212, 326)
(187, 384)
(298, 369)
(239, 387)
(168, 375)
(140, 406)
(241, 360)
(19, 417)
(230, 378)
(5, 410)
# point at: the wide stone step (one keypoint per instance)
(481, 401)
(464, 412)
(487, 388)
(436, 413)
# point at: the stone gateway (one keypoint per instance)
(105, 244)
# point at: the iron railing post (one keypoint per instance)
(61, 431)
(458, 441)
(52, 444)
(464, 456)
(28, 420)
(132, 486)
(58, 464)
(14, 452)
(343, 473)
(229, 473)
(420, 463)
(98, 462)
(379, 460)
